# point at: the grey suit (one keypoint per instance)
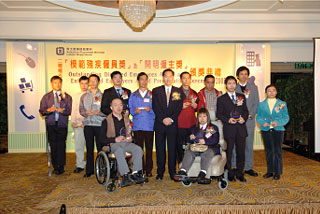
(252, 101)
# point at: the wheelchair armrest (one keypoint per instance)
(223, 144)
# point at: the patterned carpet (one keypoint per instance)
(26, 188)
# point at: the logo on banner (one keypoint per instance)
(24, 85)
(29, 117)
(60, 50)
(253, 59)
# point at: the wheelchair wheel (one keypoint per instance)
(187, 183)
(111, 187)
(223, 184)
(102, 168)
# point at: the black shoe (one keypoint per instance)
(138, 178)
(241, 178)
(55, 171)
(159, 177)
(87, 175)
(268, 175)
(180, 175)
(231, 178)
(276, 177)
(201, 179)
(126, 181)
(78, 170)
(149, 174)
(251, 172)
(60, 172)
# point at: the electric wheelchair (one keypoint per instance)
(216, 169)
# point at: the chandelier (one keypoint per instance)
(137, 12)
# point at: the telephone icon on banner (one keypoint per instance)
(31, 117)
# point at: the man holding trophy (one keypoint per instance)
(89, 108)
(140, 105)
(56, 107)
(115, 134)
(232, 111)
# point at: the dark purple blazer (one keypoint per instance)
(47, 101)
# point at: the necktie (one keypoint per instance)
(57, 105)
(118, 92)
(233, 100)
(168, 97)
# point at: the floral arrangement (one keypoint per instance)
(279, 107)
(176, 96)
(239, 101)
(247, 93)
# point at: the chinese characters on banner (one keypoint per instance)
(71, 61)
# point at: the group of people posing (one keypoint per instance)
(176, 116)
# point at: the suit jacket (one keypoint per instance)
(111, 93)
(252, 100)
(279, 114)
(225, 107)
(47, 101)
(159, 104)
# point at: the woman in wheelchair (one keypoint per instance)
(204, 142)
(116, 137)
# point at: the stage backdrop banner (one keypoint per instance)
(256, 56)
(25, 87)
(72, 60)
(317, 94)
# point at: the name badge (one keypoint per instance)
(97, 103)
(208, 135)
(146, 100)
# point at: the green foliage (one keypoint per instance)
(297, 91)
(3, 106)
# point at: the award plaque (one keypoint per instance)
(235, 115)
(125, 132)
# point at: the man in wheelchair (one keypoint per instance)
(115, 136)
(204, 143)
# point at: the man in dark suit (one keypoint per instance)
(232, 111)
(117, 91)
(167, 102)
(56, 107)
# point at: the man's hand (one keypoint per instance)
(119, 139)
(60, 110)
(202, 142)
(274, 124)
(126, 113)
(96, 112)
(192, 137)
(185, 105)
(232, 121)
(167, 121)
(249, 117)
(51, 109)
(266, 124)
(89, 112)
(129, 139)
(194, 105)
(106, 148)
(74, 125)
(147, 109)
(241, 120)
(137, 111)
